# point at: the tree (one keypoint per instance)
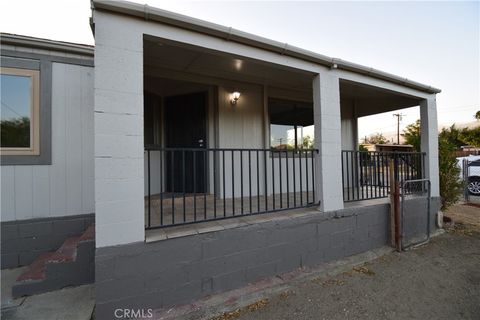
(308, 143)
(449, 140)
(376, 138)
(411, 135)
(471, 137)
(453, 135)
(15, 132)
(361, 147)
(456, 137)
(451, 186)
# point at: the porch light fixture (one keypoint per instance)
(234, 98)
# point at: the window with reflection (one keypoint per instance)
(291, 124)
(19, 116)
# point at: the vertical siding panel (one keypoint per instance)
(241, 126)
(73, 139)
(7, 193)
(23, 192)
(66, 186)
(58, 173)
(41, 191)
(88, 174)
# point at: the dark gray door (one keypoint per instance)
(185, 118)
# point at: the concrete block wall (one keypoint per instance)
(25, 240)
(328, 139)
(119, 118)
(118, 90)
(176, 271)
(429, 142)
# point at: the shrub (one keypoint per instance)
(451, 186)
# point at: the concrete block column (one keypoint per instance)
(119, 181)
(328, 140)
(429, 141)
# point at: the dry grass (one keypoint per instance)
(286, 294)
(333, 282)
(238, 312)
(465, 217)
(228, 315)
(364, 270)
(460, 229)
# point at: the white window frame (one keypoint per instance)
(34, 149)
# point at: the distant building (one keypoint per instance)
(388, 147)
(470, 149)
(466, 151)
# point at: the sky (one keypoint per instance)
(15, 93)
(435, 43)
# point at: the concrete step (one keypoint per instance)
(71, 264)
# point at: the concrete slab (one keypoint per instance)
(75, 303)
(8, 279)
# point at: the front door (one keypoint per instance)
(186, 127)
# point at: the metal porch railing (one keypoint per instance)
(189, 185)
(365, 174)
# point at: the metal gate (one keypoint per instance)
(415, 212)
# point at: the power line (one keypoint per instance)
(465, 106)
(390, 126)
(458, 110)
(8, 107)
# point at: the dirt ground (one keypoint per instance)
(440, 280)
(467, 214)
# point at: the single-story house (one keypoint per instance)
(387, 147)
(207, 157)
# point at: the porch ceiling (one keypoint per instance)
(161, 54)
(166, 58)
(371, 100)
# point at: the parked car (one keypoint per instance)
(472, 165)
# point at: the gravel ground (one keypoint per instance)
(440, 280)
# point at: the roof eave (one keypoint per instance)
(154, 14)
(46, 44)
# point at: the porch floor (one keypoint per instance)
(169, 210)
(178, 231)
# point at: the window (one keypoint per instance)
(19, 116)
(291, 124)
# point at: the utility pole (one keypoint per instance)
(399, 118)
